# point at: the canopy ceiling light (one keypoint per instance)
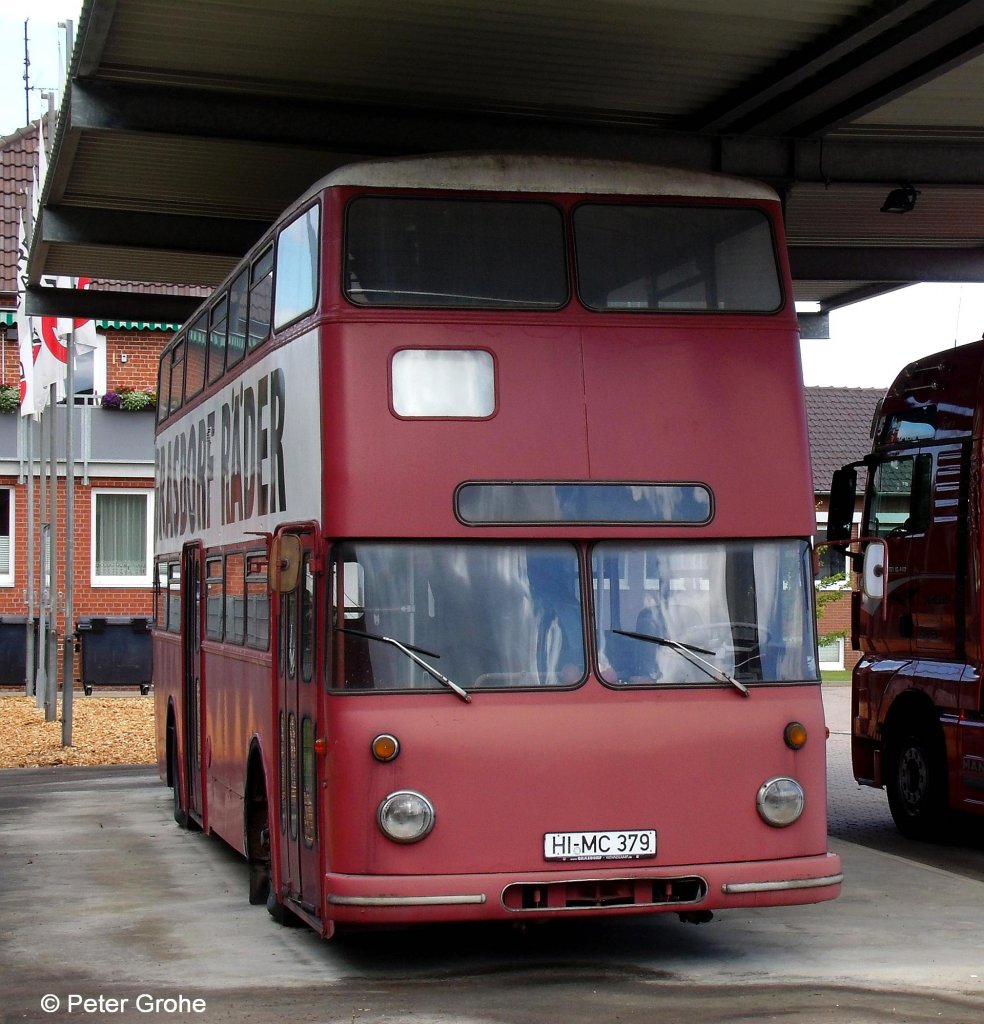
(900, 200)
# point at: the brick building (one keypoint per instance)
(113, 448)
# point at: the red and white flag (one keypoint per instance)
(43, 340)
(50, 350)
(25, 328)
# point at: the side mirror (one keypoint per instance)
(843, 496)
(874, 575)
(284, 568)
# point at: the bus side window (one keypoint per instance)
(214, 618)
(238, 322)
(260, 299)
(174, 597)
(235, 598)
(217, 339)
(160, 596)
(196, 353)
(307, 621)
(164, 387)
(176, 390)
(297, 268)
(257, 603)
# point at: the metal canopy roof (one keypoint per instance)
(187, 126)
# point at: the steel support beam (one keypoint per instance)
(89, 226)
(379, 130)
(886, 264)
(96, 305)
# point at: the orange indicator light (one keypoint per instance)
(385, 747)
(795, 735)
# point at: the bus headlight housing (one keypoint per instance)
(780, 801)
(405, 816)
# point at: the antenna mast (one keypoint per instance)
(27, 77)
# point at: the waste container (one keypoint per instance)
(115, 652)
(13, 649)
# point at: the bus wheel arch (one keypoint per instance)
(256, 827)
(173, 770)
(915, 769)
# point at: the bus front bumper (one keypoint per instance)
(683, 889)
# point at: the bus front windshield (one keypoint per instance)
(422, 615)
(482, 615)
(692, 613)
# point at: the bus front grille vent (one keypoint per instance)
(604, 893)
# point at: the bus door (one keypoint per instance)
(297, 717)
(192, 696)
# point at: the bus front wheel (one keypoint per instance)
(916, 781)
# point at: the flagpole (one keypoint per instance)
(51, 694)
(41, 678)
(31, 638)
(68, 668)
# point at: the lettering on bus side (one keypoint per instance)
(252, 450)
(185, 471)
(251, 468)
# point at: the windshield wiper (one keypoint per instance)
(413, 653)
(692, 654)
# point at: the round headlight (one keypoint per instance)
(406, 816)
(780, 801)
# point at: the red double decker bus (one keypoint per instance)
(477, 596)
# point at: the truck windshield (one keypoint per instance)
(490, 616)
(743, 606)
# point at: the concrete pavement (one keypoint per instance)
(103, 894)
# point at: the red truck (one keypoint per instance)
(917, 704)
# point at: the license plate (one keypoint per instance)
(620, 844)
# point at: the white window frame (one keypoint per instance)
(838, 665)
(7, 578)
(147, 579)
(844, 584)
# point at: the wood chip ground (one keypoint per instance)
(105, 730)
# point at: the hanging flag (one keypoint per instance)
(87, 338)
(90, 352)
(50, 351)
(25, 332)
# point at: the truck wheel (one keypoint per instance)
(916, 781)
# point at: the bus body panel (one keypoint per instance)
(657, 418)
(238, 705)
(507, 768)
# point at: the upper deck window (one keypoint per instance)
(260, 298)
(297, 267)
(675, 259)
(455, 253)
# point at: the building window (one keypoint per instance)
(6, 537)
(831, 655)
(834, 568)
(121, 538)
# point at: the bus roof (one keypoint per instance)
(499, 172)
